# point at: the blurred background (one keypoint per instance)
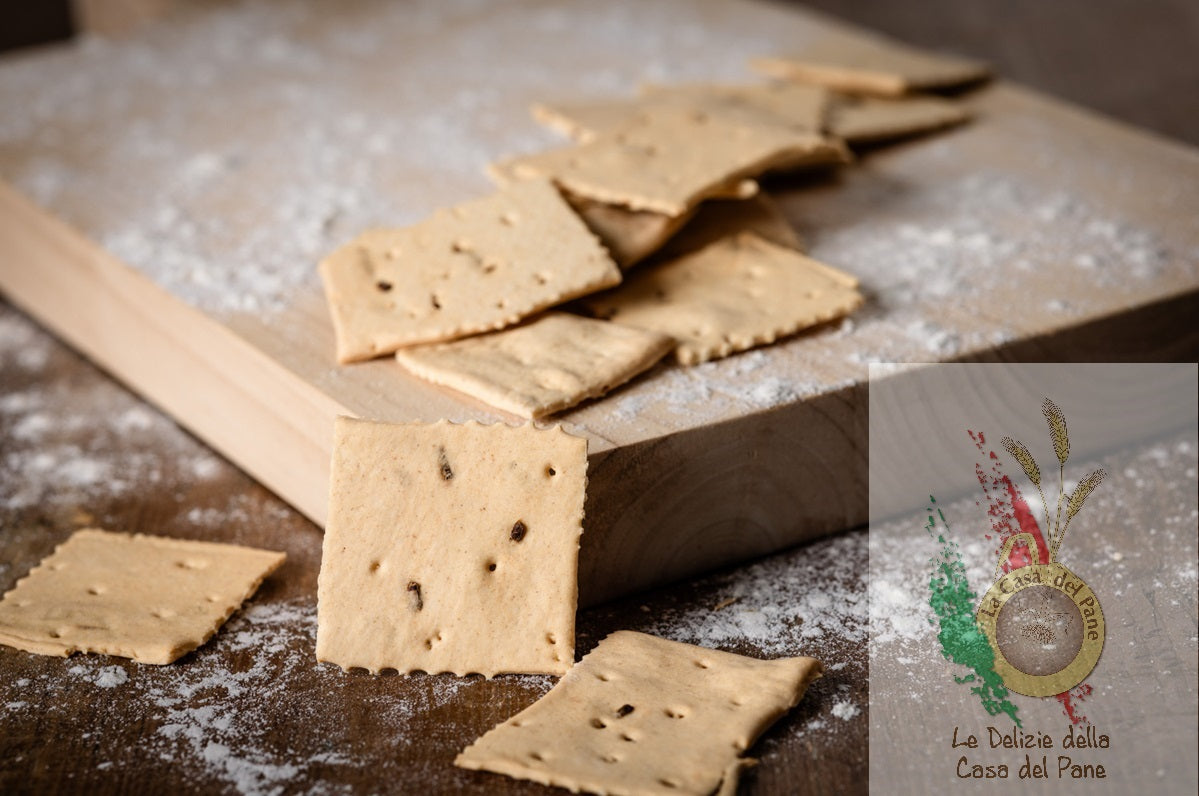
(1132, 59)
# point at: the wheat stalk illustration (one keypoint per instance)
(1054, 529)
(1061, 448)
(1021, 454)
(1085, 487)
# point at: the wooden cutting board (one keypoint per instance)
(168, 196)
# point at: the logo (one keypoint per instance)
(1044, 623)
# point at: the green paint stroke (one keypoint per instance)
(954, 604)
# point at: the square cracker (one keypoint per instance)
(451, 548)
(737, 293)
(476, 267)
(669, 159)
(789, 104)
(864, 120)
(148, 598)
(547, 365)
(641, 714)
(873, 66)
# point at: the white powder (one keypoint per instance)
(111, 677)
(844, 709)
(115, 443)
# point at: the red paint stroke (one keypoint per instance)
(1007, 509)
(1070, 699)
(1010, 514)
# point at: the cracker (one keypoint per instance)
(735, 294)
(148, 598)
(629, 235)
(865, 120)
(549, 364)
(451, 548)
(719, 218)
(641, 714)
(480, 266)
(796, 105)
(873, 65)
(669, 159)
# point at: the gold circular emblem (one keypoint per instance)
(1044, 624)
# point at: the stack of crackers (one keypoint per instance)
(454, 548)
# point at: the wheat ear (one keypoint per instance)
(1061, 448)
(1021, 454)
(1085, 487)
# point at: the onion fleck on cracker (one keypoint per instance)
(148, 598)
(735, 294)
(552, 363)
(476, 267)
(641, 714)
(451, 548)
(874, 65)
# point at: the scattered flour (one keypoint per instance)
(845, 710)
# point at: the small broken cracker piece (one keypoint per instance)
(789, 104)
(423, 566)
(552, 363)
(632, 235)
(717, 219)
(735, 294)
(629, 235)
(476, 267)
(149, 598)
(873, 65)
(864, 120)
(669, 159)
(641, 714)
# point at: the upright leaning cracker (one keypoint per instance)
(148, 598)
(479, 266)
(643, 715)
(731, 296)
(451, 548)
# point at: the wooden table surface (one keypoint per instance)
(252, 711)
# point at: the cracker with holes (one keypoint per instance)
(789, 104)
(735, 294)
(479, 266)
(668, 159)
(866, 120)
(451, 548)
(148, 598)
(549, 364)
(861, 65)
(641, 714)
